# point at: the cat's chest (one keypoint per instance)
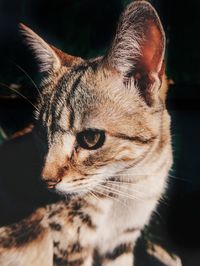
(112, 217)
(124, 220)
(95, 221)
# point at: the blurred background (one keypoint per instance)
(84, 28)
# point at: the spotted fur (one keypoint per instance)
(110, 191)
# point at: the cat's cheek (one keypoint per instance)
(131, 153)
(82, 154)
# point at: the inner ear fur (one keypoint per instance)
(138, 47)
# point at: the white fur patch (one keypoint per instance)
(123, 260)
(68, 144)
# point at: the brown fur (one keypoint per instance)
(112, 189)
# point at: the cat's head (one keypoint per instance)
(102, 116)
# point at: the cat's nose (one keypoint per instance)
(51, 183)
(51, 175)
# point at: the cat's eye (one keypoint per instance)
(91, 139)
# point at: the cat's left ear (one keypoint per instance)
(138, 48)
(50, 58)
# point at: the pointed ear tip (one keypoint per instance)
(25, 30)
(143, 3)
(22, 26)
(148, 10)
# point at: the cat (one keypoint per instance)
(104, 130)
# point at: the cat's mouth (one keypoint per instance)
(51, 183)
(73, 186)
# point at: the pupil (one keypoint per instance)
(91, 139)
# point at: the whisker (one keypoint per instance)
(159, 216)
(3, 134)
(124, 186)
(163, 200)
(29, 77)
(131, 175)
(180, 179)
(121, 182)
(119, 193)
(90, 193)
(120, 178)
(108, 196)
(94, 195)
(17, 92)
(155, 211)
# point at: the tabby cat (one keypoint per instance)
(105, 133)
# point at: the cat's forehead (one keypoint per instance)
(101, 86)
(89, 96)
(90, 86)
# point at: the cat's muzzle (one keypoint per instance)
(51, 183)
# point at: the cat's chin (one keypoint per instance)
(67, 196)
(66, 191)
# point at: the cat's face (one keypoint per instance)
(102, 117)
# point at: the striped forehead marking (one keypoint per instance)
(62, 95)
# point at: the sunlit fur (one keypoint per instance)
(115, 188)
(102, 101)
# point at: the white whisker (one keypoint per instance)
(124, 186)
(119, 193)
(28, 76)
(94, 195)
(179, 178)
(20, 94)
(108, 196)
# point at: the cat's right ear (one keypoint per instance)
(50, 58)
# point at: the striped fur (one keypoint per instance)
(111, 191)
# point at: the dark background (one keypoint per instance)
(85, 28)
